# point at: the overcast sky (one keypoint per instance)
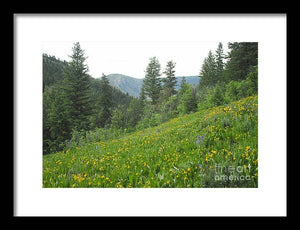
(132, 58)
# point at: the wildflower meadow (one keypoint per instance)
(214, 147)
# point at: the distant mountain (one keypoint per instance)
(133, 86)
(193, 80)
(126, 84)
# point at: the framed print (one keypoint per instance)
(150, 115)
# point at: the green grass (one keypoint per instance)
(188, 151)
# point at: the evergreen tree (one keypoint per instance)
(135, 112)
(217, 97)
(170, 80)
(151, 83)
(169, 108)
(56, 119)
(208, 72)
(104, 103)
(142, 101)
(52, 70)
(253, 78)
(119, 118)
(142, 97)
(118, 97)
(183, 85)
(77, 87)
(241, 59)
(219, 62)
(187, 99)
(47, 101)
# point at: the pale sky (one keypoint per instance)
(132, 58)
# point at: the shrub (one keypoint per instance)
(217, 97)
(187, 101)
(232, 91)
(80, 138)
(148, 122)
(119, 118)
(169, 108)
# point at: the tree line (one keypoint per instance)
(78, 109)
(73, 100)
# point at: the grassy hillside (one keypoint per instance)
(202, 149)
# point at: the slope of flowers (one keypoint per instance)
(215, 147)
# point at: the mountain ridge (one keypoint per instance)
(132, 85)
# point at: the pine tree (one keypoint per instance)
(219, 62)
(77, 87)
(142, 99)
(183, 85)
(135, 112)
(52, 70)
(208, 71)
(152, 82)
(217, 98)
(119, 118)
(104, 103)
(241, 59)
(170, 80)
(187, 100)
(56, 119)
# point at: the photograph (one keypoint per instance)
(150, 114)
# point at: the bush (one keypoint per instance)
(236, 90)
(80, 138)
(245, 89)
(169, 108)
(217, 97)
(148, 122)
(119, 118)
(232, 91)
(253, 78)
(187, 101)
